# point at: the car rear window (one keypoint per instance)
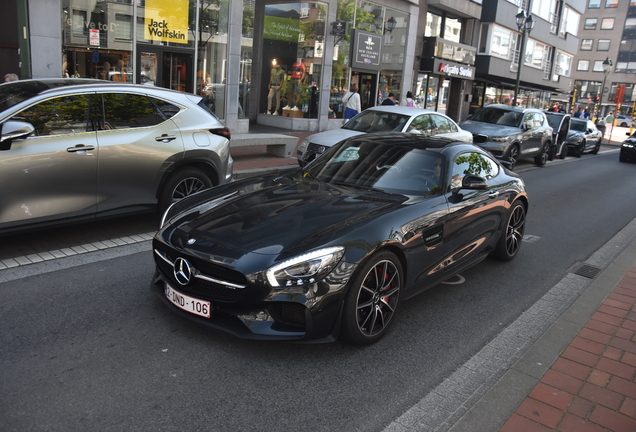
(377, 121)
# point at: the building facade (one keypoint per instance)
(227, 51)
(546, 65)
(607, 33)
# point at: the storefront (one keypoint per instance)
(446, 76)
(247, 58)
(487, 92)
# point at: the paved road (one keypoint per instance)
(86, 346)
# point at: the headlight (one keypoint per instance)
(499, 138)
(304, 269)
(628, 145)
(303, 146)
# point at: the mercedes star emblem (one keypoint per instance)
(183, 271)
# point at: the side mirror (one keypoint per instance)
(15, 130)
(474, 182)
(527, 126)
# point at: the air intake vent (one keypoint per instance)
(587, 271)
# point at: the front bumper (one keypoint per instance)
(311, 312)
(628, 152)
(496, 149)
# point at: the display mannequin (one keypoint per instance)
(297, 77)
(275, 81)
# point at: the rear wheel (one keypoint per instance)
(510, 240)
(542, 158)
(372, 299)
(597, 147)
(182, 184)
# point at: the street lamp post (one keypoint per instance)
(525, 24)
(607, 67)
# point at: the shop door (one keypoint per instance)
(171, 70)
(368, 88)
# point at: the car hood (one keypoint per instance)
(489, 129)
(274, 216)
(331, 137)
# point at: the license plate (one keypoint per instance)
(187, 303)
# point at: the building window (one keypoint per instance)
(607, 24)
(502, 44)
(594, 4)
(564, 64)
(543, 8)
(611, 3)
(570, 21)
(584, 65)
(603, 45)
(590, 23)
(433, 25)
(598, 66)
(586, 44)
(630, 23)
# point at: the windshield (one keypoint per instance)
(371, 165)
(578, 125)
(500, 116)
(377, 121)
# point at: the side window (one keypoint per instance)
(538, 120)
(422, 124)
(58, 116)
(443, 125)
(124, 111)
(472, 164)
(166, 108)
(528, 118)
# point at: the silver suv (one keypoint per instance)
(74, 149)
(511, 133)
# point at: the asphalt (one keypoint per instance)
(568, 364)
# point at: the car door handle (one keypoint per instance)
(80, 148)
(493, 195)
(165, 138)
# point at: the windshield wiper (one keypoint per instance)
(353, 185)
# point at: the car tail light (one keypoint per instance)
(224, 132)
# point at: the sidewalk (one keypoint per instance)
(590, 387)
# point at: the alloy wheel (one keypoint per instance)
(187, 187)
(377, 298)
(515, 229)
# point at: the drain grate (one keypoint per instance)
(588, 271)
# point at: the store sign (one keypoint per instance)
(166, 21)
(94, 37)
(366, 50)
(456, 70)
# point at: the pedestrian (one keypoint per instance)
(586, 114)
(351, 102)
(390, 100)
(609, 123)
(579, 113)
(10, 77)
(409, 99)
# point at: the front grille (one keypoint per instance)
(479, 139)
(315, 148)
(291, 314)
(201, 288)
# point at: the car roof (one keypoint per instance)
(510, 108)
(406, 139)
(398, 109)
(35, 87)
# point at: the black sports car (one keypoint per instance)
(628, 149)
(331, 249)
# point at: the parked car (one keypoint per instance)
(75, 149)
(628, 149)
(584, 137)
(331, 249)
(383, 119)
(624, 121)
(560, 124)
(511, 133)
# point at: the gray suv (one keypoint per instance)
(511, 133)
(76, 149)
